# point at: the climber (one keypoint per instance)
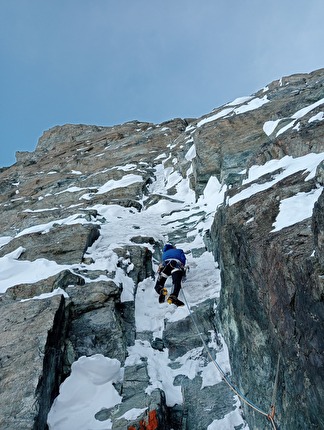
(174, 264)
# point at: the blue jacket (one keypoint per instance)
(169, 253)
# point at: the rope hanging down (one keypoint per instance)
(275, 386)
(270, 416)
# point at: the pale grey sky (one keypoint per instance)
(106, 62)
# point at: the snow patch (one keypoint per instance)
(296, 208)
(84, 393)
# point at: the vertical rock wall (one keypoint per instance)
(271, 305)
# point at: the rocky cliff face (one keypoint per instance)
(83, 221)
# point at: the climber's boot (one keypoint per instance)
(162, 295)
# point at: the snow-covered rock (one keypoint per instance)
(84, 220)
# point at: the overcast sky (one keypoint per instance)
(106, 62)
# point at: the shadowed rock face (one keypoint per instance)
(271, 304)
(32, 336)
(272, 286)
(272, 296)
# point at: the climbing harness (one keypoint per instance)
(269, 416)
(173, 263)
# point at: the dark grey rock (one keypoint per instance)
(61, 280)
(182, 336)
(139, 257)
(31, 360)
(65, 244)
(96, 326)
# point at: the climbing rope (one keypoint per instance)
(275, 386)
(270, 416)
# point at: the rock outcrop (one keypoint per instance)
(32, 336)
(84, 218)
